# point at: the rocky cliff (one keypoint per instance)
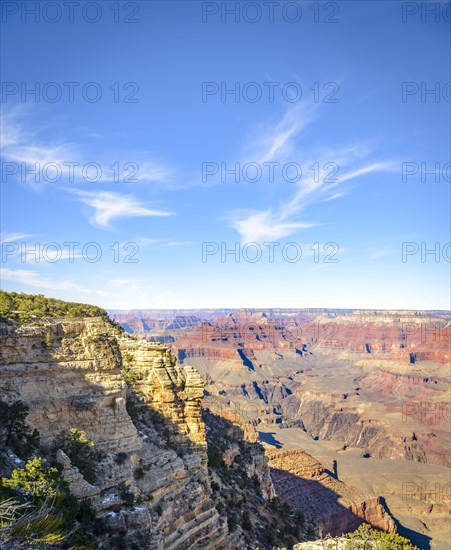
(170, 476)
(69, 373)
(333, 506)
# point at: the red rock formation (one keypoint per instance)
(336, 508)
(390, 335)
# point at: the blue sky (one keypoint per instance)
(173, 133)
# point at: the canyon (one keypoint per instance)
(242, 429)
(365, 390)
(152, 438)
(171, 473)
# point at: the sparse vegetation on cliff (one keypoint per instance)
(81, 451)
(35, 481)
(238, 491)
(372, 538)
(366, 538)
(37, 510)
(16, 306)
(14, 431)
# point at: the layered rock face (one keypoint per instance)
(399, 359)
(324, 418)
(404, 336)
(335, 507)
(203, 351)
(69, 373)
(364, 384)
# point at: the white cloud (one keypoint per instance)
(161, 243)
(32, 278)
(23, 146)
(336, 196)
(46, 253)
(264, 226)
(37, 252)
(334, 167)
(152, 171)
(13, 237)
(275, 142)
(109, 206)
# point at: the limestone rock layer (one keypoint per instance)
(71, 374)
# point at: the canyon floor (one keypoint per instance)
(377, 477)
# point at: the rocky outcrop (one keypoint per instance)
(69, 373)
(184, 353)
(71, 380)
(333, 506)
(80, 488)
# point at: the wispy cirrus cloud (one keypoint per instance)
(25, 146)
(161, 243)
(13, 237)
(336, 196)
(260, 226)
(34, 279)
(281, 144)
(109, 206)
(153, 172)
(276, 141)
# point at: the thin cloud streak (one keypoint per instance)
(13, 237)
(22, 146)
(32, 278)
(281, 145)
(110, 206)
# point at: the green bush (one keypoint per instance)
(214, 486)
(139, 473)
(367, 538)
(81, 451)
(126, 495)
(231, 522)
(48, 340)
(275, 503)
(285, 509)
(34, 481)
(127, 357)
(246, 523)
(25, 307)
(300, 518)
(215, 459)
(42, 528)
(41, 512)
(14, 431)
